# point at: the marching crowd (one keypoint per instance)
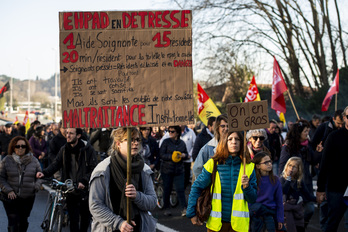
(267, 186)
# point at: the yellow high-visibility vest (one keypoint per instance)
(240, 210)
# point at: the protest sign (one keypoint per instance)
(247, 116)
(126, 68)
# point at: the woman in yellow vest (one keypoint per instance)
(233, 189)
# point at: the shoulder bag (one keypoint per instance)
(203, 207)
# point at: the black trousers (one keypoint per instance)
(18, 212)
(79, 214)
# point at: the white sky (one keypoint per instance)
(29, 31)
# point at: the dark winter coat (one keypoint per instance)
(103, 136)
(168, 166)
(56, 144)
(10, 172)
(37, 146)
(87, 161)
(202, 139)
(308, 156)
(5, 141)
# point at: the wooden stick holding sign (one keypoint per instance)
(247, 116)
(129, 171)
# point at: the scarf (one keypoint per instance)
(24, 159)
(118, 168)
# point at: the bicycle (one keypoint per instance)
(56, 204)
(158, 183)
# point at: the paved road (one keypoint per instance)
(165, 224)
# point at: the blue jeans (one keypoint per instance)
(336, 210)
(178, 181)
(308, 212)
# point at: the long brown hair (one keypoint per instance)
(222, 152)
(257, 160)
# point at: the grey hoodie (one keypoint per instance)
(103, 217)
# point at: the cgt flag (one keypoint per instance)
(4, 89)
(253, 92)
(332, 91)
(206, 107)
(278, 88)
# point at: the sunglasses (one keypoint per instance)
(258, 137)
(21, 146)
(171, 131)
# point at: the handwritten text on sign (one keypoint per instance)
(126, 68)
(247, 116)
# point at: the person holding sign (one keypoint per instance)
(109, 190)
(172, 152)
(233, 188)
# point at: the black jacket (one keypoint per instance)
(154, 149)
(201, 140)
(104, 139)
(322, 133)
(333, 167)
(5, 140)
(87, 161)
(55, 145)
(168, 166)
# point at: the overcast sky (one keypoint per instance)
(29, 37)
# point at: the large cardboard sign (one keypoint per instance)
(126, 68)
(247, 116)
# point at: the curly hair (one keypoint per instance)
(222, 152)
(294, 135)
(13, 143)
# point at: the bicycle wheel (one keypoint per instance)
(57, 222)
(173, 198)
(159, 193)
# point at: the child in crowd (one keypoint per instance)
(268, 209)
(295, 193)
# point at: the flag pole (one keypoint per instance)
(244, 153)
(129, 171)
(293, 105)
(336, 102)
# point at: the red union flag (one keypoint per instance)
(206, 107)
(332, 91)
(253, 92)
(278, 88)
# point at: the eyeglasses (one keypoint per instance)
(133, 140)
(267, 162)
(171, 131)
(258, 137)
(21, 146)
(224, 126)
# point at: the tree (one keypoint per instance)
(307, 36)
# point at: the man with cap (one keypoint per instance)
(5, 139)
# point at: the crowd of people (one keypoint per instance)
(267, 186)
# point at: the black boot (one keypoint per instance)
(23, 227)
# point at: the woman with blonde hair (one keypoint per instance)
(109, 188)
(295, 192)
(233, 189)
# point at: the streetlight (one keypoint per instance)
(28, 88)
(55, 85)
